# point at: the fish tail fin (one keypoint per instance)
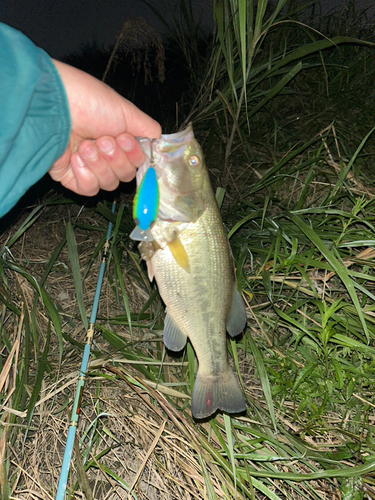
(213, 393)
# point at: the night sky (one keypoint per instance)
(63, 27)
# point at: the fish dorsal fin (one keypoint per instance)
(236, 321)
(174, 338)
(179, 254)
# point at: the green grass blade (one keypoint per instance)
(219, 195)
(29, 221)
(118, 271)
(55, 317)
(276, 89)
(259, 363)
(263, 488)
(250, 216)
(207, 479)
(349, 166)
(338, 268)
(74, 263)
(52, 261)
(42, 365)
(228, 431)
(303, 375)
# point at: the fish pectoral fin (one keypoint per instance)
(179, 254)
(236, 321)
(147, 250)
(174, 338)
(150, 270)
(212, 393)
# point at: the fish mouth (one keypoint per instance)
(167, 144)
(181, 137)
(181, 190)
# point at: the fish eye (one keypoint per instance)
(194, 161)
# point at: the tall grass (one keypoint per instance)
(260, 49)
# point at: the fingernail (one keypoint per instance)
(79, 161)
(106, 146)
(125, 143)
(90, 153)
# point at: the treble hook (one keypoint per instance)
(152, 162)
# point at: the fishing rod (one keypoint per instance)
(61, 488)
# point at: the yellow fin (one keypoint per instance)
(179, 253)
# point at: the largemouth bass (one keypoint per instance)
(187, 251)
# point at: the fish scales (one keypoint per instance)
(189, 256)
(199, 301)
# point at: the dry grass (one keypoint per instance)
(142, 42)
(128, 429)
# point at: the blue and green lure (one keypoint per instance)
(145, 206)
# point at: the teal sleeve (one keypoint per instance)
(34, 115)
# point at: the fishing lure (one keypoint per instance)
(146, 205)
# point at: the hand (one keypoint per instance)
(99, 113)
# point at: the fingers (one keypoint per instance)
(100, 165)
(91, 158)
(112, 160)
(132, 149)
(80, 179)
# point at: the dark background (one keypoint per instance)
(64, 27)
